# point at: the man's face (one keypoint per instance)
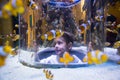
(60, 46)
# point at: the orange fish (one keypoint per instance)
(50, 35)
(3, 57)
(67, 58)
(58, 33)
(48, 74)
(7, 49)
(2, 60)
(96, 57)
(104, 58)
(44, 37)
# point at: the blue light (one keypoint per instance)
(62, 4)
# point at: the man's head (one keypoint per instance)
(64, 43)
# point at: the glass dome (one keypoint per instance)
(43, 22)
(60, 40)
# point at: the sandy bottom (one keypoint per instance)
(14, 70)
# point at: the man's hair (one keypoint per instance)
(68, 37)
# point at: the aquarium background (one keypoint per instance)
(30, 26)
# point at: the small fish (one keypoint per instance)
(7, 49)
(48, 74)
(89, 54)
(107, 44)
(12, 7)
(51, 77)
(116, 44)
(50, 35)
(44, 70)
(3, 57)
(6, 10)
(67, 58)
(97, 52)
(14, 51)
(104, 58)
(34, 6)
(2, 60)
(58, 33)
(95, 60)
(44, 37)
(96, 57)
(16, 37)
(90, 61)
(18, 6)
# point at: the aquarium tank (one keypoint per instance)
(44, 21)
(59, 39)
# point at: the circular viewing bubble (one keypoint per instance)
(63, 3)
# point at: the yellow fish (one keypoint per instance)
(88, 58)
(7, 49)
(67, 58)
(34, 6)
(13, 7)
(3, 57)
(104, 58)
(20, 10)
(6, 10)
(44, 37)
(19, 3)
(50, 35)
(14, 52)
(97, 52)
(93, 58)
(58, 33)
(90, 61)
(48, 74)
(116, 44)
(16, 37)
(17, 6)
(5, 14)
(51, 77)
(89, 54)
(44, 70)
(2, 60)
